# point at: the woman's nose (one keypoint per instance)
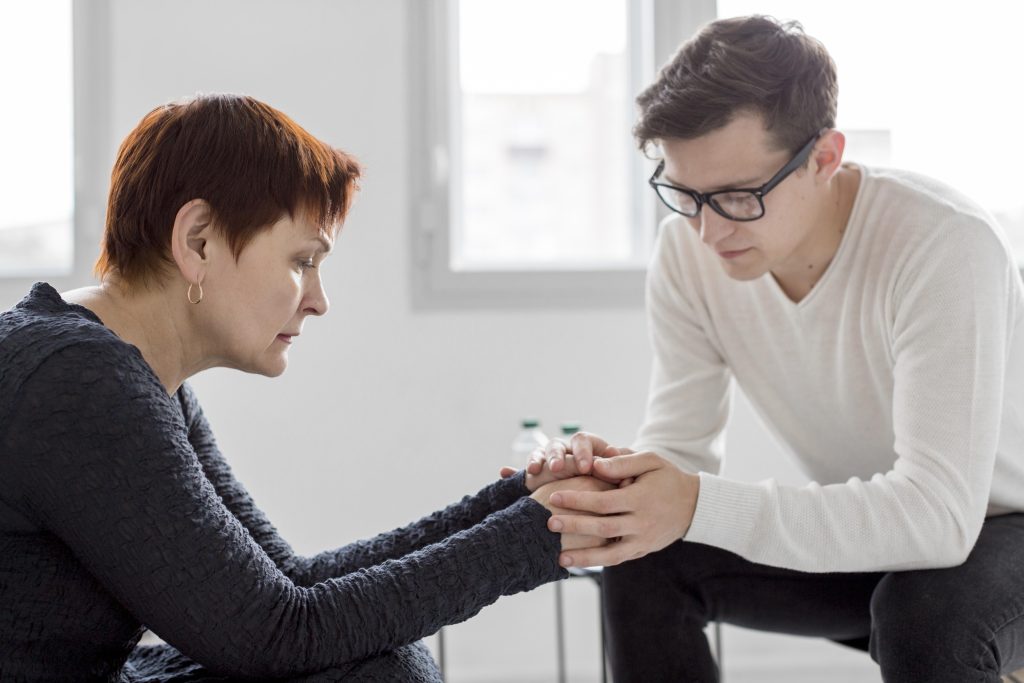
(317, 302)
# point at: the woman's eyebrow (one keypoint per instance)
(325, 246)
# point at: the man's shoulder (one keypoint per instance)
(910, 212)
(918, 199)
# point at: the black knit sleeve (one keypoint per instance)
(306, 571)
(108, 469)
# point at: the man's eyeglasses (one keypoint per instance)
(739, 204)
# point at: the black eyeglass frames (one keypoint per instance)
(738, 204)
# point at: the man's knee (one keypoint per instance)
(920, 623)
(653, 571)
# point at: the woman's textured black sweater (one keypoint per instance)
(117, 511)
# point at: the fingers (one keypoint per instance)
(615, 501)
(561, 460)
(582, 449)
(583, 446)
(615, 526)
(535, 465)
(629, 465)
(579, 542)
(597, 473)
(555, 453)
(608, 555)
(579, 455)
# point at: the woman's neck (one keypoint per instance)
(150, 319)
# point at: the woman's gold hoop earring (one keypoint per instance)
(189, 293)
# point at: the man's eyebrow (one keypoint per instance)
(730, 186)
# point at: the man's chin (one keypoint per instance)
(742, 273)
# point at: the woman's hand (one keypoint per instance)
(583, 483)
(579, 454)
(560, 460)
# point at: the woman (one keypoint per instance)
(117, 511)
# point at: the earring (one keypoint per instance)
(189, 292)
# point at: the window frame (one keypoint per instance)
(90, 77)
(656, 28)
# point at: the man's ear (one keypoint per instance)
(189, 236)
(828, 154)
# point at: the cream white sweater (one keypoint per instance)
(897, 384)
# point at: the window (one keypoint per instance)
(529, 190)
(545, 163)
(934, 93)
(36, 123)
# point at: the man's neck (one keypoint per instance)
(800, 276)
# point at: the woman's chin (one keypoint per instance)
(267, 366)
(276, 369)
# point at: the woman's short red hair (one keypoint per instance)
(250, 162)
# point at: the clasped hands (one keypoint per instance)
(610, 504)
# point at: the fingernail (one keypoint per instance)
(555, 524)
(565, 561)
(556, 498)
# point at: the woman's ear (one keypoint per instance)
(192, 229)
(828, 154)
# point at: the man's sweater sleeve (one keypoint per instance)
(107, 468)
(688, 400)
(390, 545)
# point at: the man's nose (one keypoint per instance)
(713, 227)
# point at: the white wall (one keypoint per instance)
(387, 413)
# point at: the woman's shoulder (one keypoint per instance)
(44, 330)
(42, 313)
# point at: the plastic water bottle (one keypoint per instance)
(529, 437)
(568, 429)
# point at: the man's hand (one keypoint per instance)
(650, 513)
(571, 541)
(560, 460)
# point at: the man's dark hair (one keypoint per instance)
(753, 64)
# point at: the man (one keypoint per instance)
(873, 317)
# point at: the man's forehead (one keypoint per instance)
(728, 157)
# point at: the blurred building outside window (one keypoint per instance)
(36, 143)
